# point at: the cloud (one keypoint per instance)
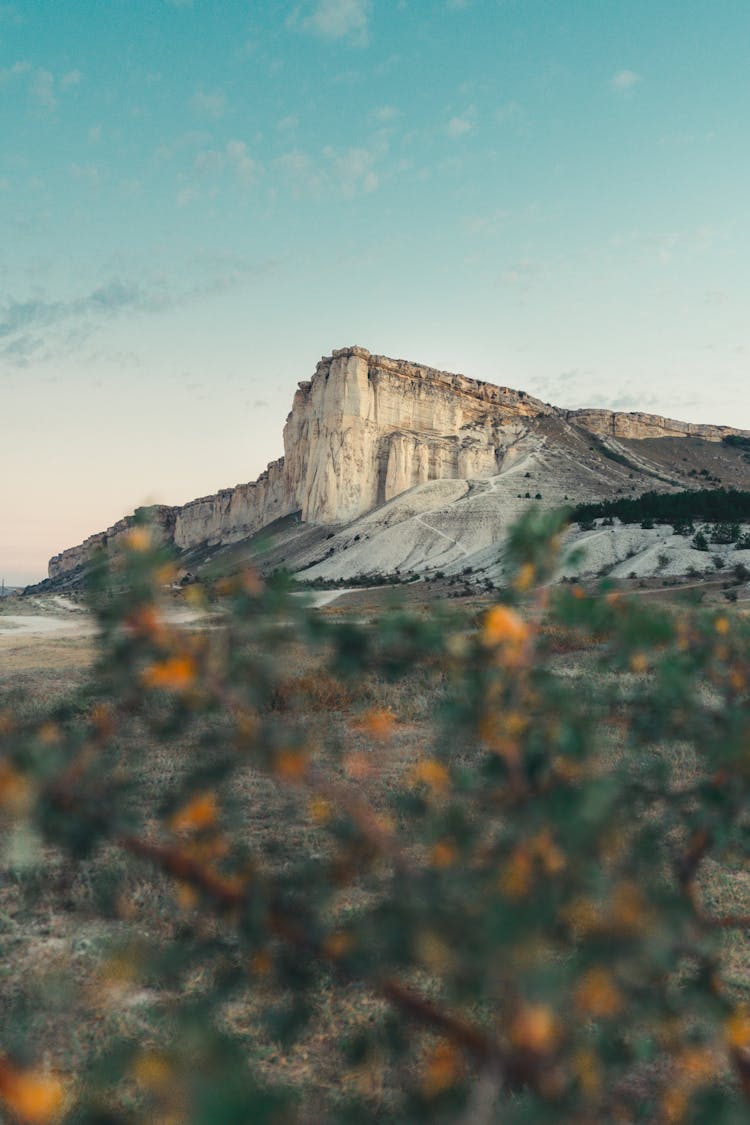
(88, 173)
(486, 225)
(353, 170)
(8, 72)
(108, 298)
(210, 104)
(245, 168)
(180, 3)
(42, 89)
(212, 164)
(385, 113)
(287, 123)
(522, 272)
(334, 19)
(457, 5)
(509, 113)
(46, 329)
(459, 126)
(43, 86)
(72, 78)
(624, 81)
(299, 169)
(350, 171)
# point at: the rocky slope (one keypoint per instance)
(367, 429)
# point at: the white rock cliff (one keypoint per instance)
(363, 430)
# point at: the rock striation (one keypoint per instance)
(363, 430)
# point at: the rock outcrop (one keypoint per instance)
(365, 429)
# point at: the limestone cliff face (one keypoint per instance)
(635, 425)
(363, 430)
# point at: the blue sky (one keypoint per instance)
(198, 200)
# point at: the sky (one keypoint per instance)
(199, 200)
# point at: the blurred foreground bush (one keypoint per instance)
(527, 912)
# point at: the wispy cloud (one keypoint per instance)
(25, 325)
(40, 328)
(70, 79)
(88, 173)
(510, 113)
(211, 165)
(459, 126)
(244, 167)
(486, 226)
(348, 172)
(354, 169)
(334, 19)
(8, 72)
(299, 170)
(624, 81)
(386, 113)
(43, 86)
(210, 104)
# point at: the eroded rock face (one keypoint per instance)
(363, 430)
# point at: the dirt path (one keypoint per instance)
(453, 542)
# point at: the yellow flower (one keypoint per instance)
(535, 1028)
(444, 854)
(432, 773)
(48, 734)
(321, 810)
(15, 791)
(152, 1071)
(338, 944)
(503, 626)
(588, 1071)
(721, 625)
(525, 577)
(261, 963)
(291, 764)
(201, 812)
(146, 621)
(177, 673)
(34, 1097)
(628, 911)
(378, 723)
(138, 539)
(516, 876)
(737, 1030)
(442, 1069)
(548, 853)
(597, 994)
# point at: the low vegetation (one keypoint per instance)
(423, 868)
